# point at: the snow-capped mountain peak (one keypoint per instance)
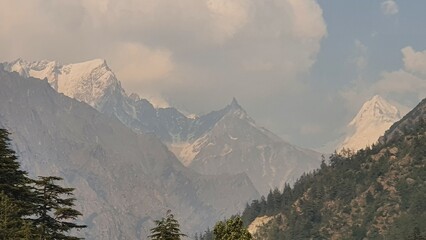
(86, 81)
(375, 109)
(374, 118)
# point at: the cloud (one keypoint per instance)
(138, 64)
(411, 80)
(194, 54)
(389, 7)
(228, 17)
(414, 61)
(406, 86)
(399, 83)
(172, 46)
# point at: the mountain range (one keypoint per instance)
(222, 141)
(131, 161)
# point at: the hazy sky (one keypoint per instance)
(301, 68)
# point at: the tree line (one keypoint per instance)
(168, 228)
(301, 211)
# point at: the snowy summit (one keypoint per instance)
(371, 122)
(86, 81)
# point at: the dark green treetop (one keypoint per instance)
(231, 229)
(55, 212)
(167, 228)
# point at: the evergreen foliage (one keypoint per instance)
(14, 182)
(231, 229)
(54, 209)
(10, 221)
(167, 228)
(32, 209)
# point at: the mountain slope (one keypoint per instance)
(237, 144)
(373, 119)
(123, 179)
(377, 193)
(407, 123)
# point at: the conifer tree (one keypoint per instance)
(231, 229)
(32, 209)
(13, 181)
(10, 220)
(166, 229)
(55, 213)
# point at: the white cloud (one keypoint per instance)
(271, 35)
(307, 19)
(414, 61)
(401, 83)
(145, 70)
(228, 17)
(197, 54)
(389, 7)
(140, 65)
(409, 81)
(406, 86)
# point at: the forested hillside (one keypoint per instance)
(378, 193)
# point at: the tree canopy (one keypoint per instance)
(167, 228)
(231, 229)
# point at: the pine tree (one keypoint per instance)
(231, 229)
(32, 209)
(10, 220)
(28, 231)
(13, 181)
(166, 229)
(55, 213)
